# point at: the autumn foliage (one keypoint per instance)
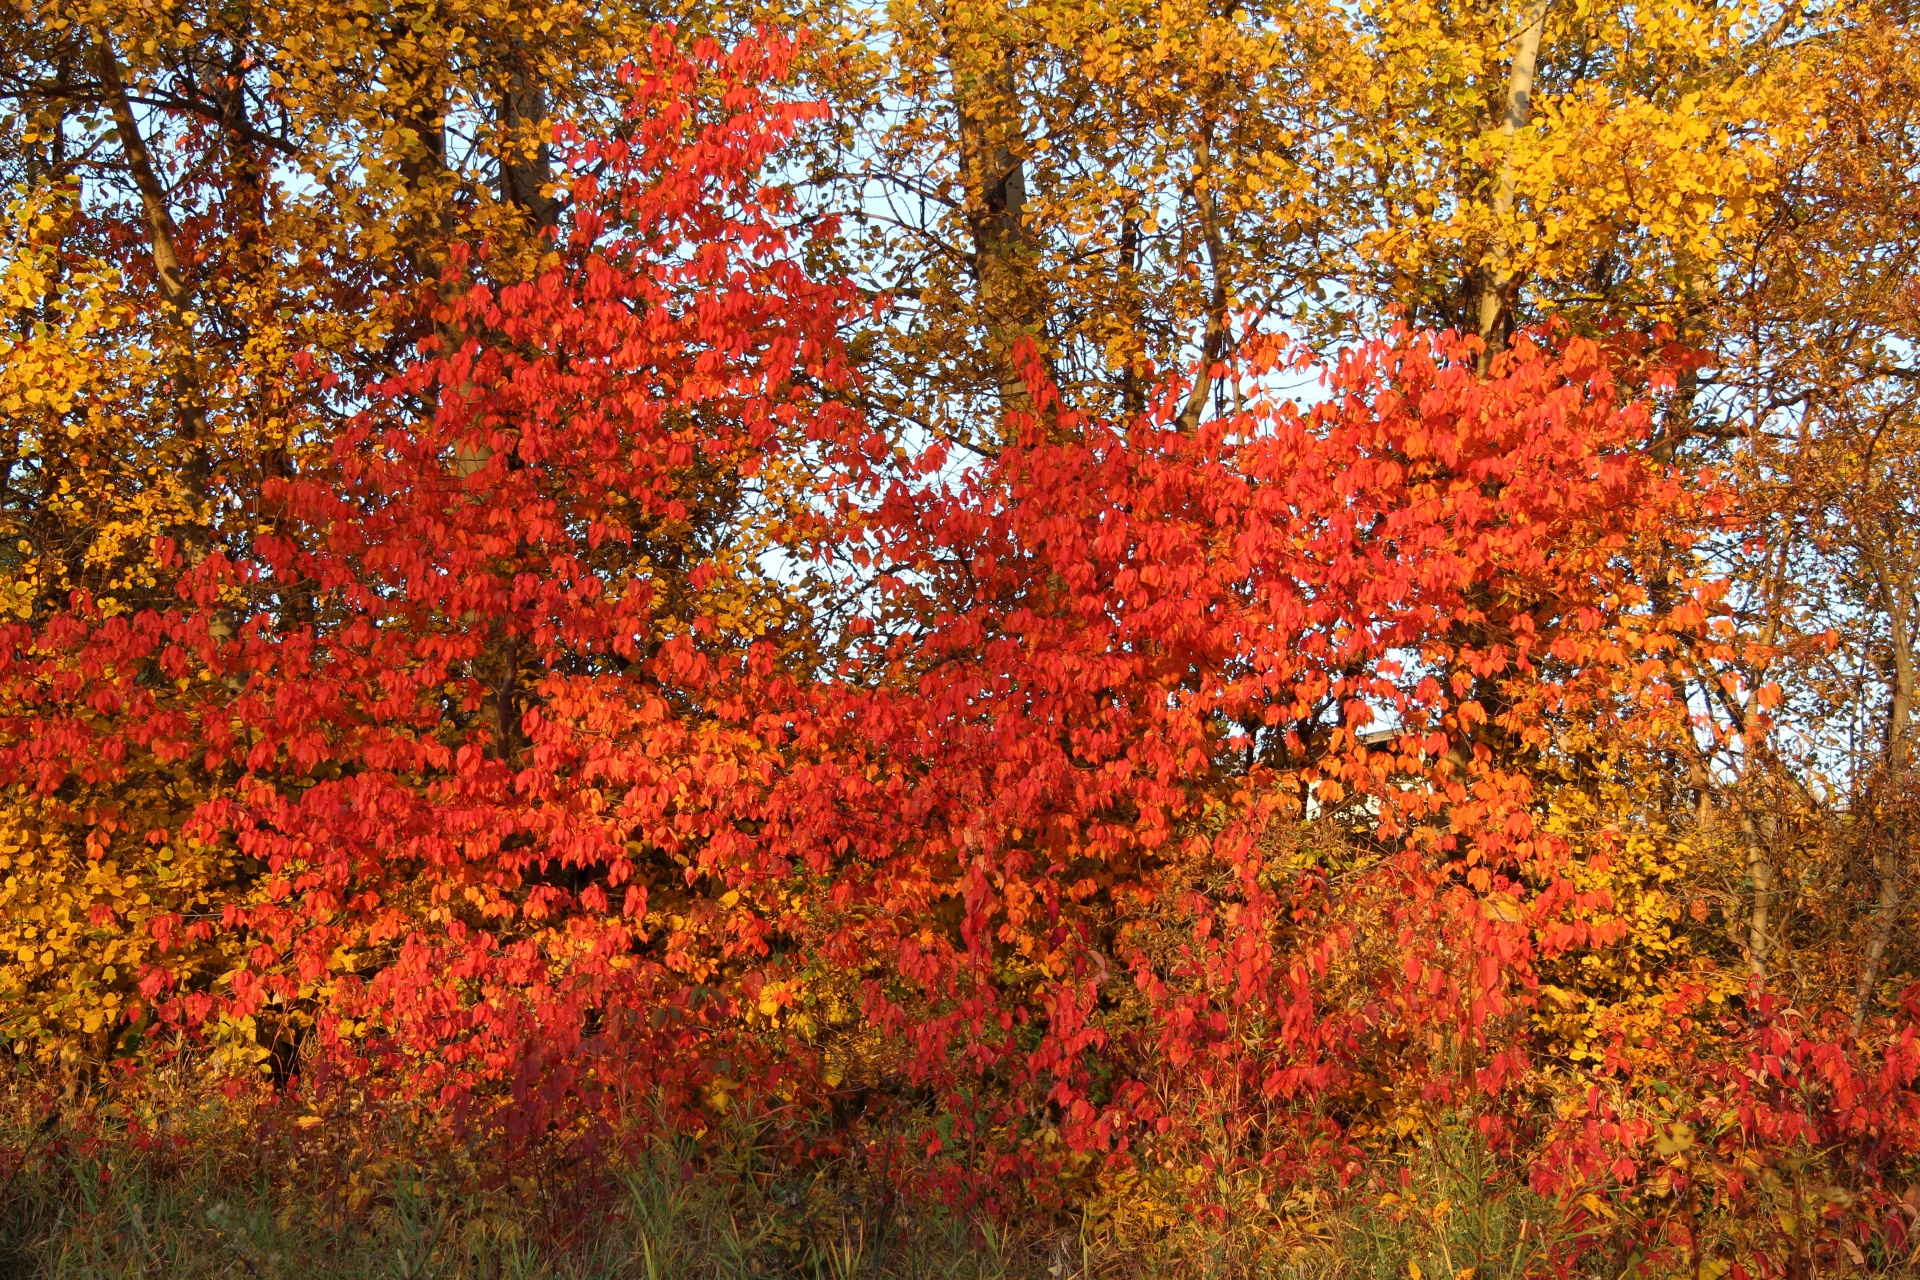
(610, 705)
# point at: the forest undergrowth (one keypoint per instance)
(190, 1182)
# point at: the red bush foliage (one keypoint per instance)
(611, 692)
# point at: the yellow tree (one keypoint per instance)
(1137, 185)
(1812, 397)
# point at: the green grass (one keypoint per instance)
(290, 1207)
(220, 1190)
(655, 1227)
(1456, 1211)
(222, 1196)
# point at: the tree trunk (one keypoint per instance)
(1213, 345)
(526, 159)
(1011, 295)
(176, 291)
(162, 236)
(1897, 593)
(1497, 276)
(1760, 918)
